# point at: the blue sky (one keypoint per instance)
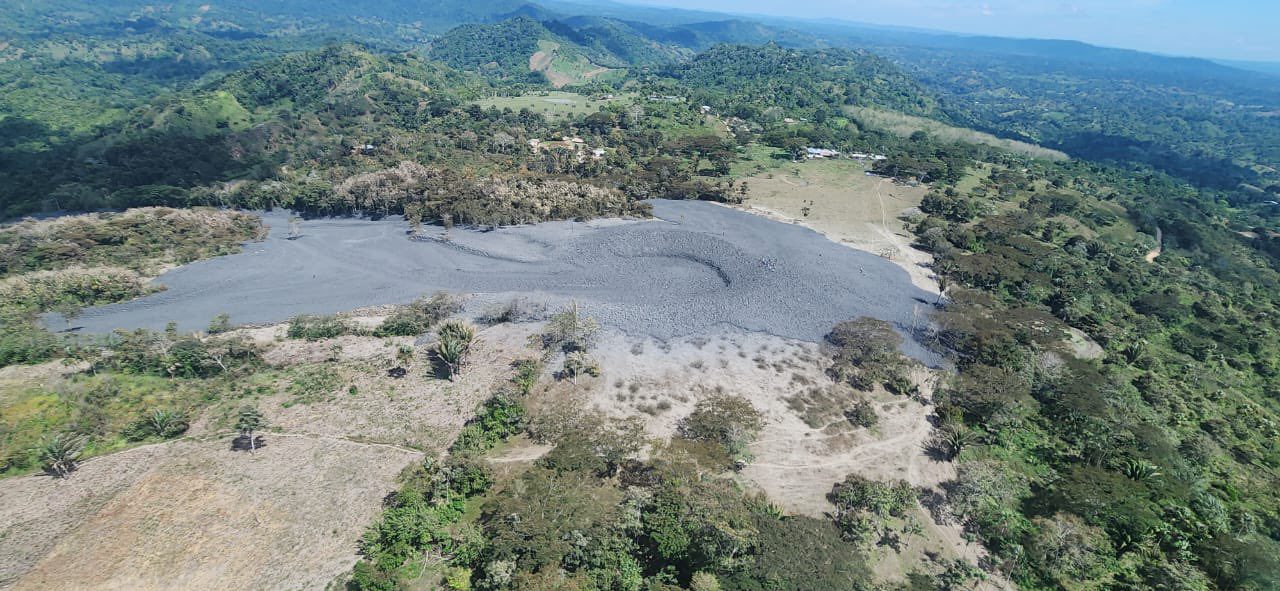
(1224, 29)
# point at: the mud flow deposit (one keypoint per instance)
(696, 267)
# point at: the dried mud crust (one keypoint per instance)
(696, 268)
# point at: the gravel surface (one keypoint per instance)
(697, 267)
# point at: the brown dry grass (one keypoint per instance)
(192, 514)
(837, 199)
(196, 515)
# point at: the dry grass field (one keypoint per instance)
(839, 200)
(193, 514)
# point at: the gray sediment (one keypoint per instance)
(696, 267)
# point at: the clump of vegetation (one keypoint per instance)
(861, 414)
(730, 422)
(168, 354)
(59, 454)
(419, 316)
(499, 418)
(577, 364)
(453, 345)
(865, 354)
(160, 422)
(570, 330)
(220, 324)
(318, 328)
(137, 239)
(863, 507)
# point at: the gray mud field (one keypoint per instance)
(697, 267)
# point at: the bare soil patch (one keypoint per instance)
(418, 410)
(806, 444)
(838, 200)
(196, 515)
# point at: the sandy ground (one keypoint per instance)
(196, 515)
(839, 201)
(700, 267)
(806, 446)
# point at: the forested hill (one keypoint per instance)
(749, 81)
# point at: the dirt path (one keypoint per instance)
(1159, 249)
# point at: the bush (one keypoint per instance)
(160, 422)
(861, 414)
(578, 364)
(316, 328)
(570, 331)
(728, 421)
(499, 418)
(865, 352)
(220, 324)
(863, 505)
(26, 342)
(419, 316)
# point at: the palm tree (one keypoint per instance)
(1139, 469)
(248, 420)
(951, 439)
(166, 423)
(455, 342)
(60, 454)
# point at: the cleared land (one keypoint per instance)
(905, 125)
(698, 267)
(554, 104)
(197, 515)
(839, 200)
(192, 514)
(806, 444)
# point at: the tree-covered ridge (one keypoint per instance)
(748, 81)
(1213, 129)
(1158, 460)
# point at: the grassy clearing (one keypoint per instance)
(835, 197)
(905, 125)
(553, 104)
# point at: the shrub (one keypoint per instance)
(59, 454)
(861, 414)
(578, 364)
(419, 316)
(160, 422)
(865, 352)
(316, 328)
(220, 324)
(498, 418)
(728, 421)
(570, 331)
(863, 505)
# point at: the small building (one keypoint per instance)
(819, 153)
(706, 109)
(597, 153)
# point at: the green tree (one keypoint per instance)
(248, 420)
